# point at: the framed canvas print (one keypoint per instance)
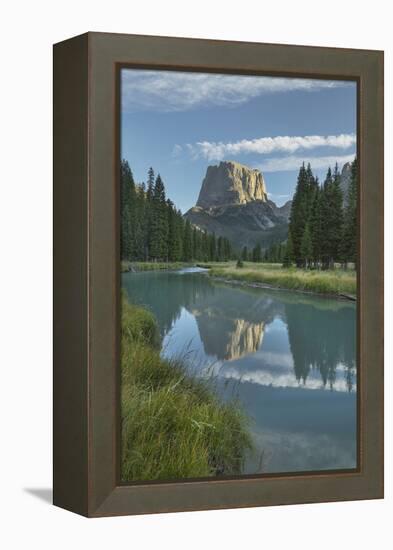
(218, 274)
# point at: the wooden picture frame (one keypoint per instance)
(86, 273)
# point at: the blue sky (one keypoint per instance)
(180, 122)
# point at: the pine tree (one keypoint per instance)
(315, 226)
(257, 253)
(337, 215)
(331, 219)
(275, 253)
(212, 247)
(306, 247)
(140, 222)
(187, 242)
(149, 212)
(348, 250)
(331, 232)
(326, 214)
(174, 234)
(205, 247)
(299, 211)
(180, 222)
(150, 184)
(288, 256)
(312, 187)
(158, 237)
(245, 254)
(302, 204)
(151, 228)
(127, 215)
(197, 244)
(228, 250)
(220, 249)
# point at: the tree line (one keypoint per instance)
(322, 228)
(275, 253)
(152, 228)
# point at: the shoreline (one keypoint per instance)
(139, 267)
(266, 286)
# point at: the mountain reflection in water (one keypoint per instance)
(289, 358)
(317, 336)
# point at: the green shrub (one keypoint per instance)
(138, 324)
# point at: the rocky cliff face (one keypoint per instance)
(233, 203)
(231, 183)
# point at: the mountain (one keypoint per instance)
(231, 183)
(232, 325)
(233, 203)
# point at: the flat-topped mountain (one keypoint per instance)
(231, 183)
(233, 203)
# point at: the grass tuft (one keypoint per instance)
(173, 425)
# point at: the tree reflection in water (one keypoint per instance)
(232, 320)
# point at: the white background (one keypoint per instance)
(28, 29)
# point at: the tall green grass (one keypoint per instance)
(333, 282)
(173, 425)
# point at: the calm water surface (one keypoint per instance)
(290, 360)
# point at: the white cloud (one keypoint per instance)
(212, 150)
(166, 91)
(276, 370)
(285, 164)
(177, 150)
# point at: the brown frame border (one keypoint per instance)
(86, 273)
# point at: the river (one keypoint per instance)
(288, 358)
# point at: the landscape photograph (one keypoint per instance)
(238, 260)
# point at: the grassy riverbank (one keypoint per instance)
(152, 266)
(173, 425)
(333, 282)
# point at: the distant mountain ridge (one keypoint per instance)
(233, 203)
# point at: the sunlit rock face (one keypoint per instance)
(246, 338)
(231, 325)
(233, 203)
(231, 183)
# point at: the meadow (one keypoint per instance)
(331, 282)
